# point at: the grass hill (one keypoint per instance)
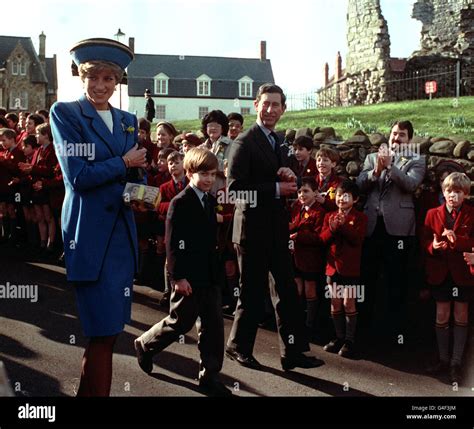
(443, 117)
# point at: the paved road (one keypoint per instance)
(41, 345)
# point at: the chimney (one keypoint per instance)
(42, 46)
(326, 74)
(131, 43)
(338, 73)
(263, 50)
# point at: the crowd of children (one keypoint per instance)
(327, 229)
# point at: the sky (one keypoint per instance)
(301, 35)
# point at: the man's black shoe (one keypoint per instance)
(244, 360)
(212, 387)
(145, 359)
(300, 361)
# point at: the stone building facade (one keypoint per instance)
(28, 81)
(372, 76)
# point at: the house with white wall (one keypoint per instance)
(188, 87)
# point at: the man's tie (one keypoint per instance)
(207, 209)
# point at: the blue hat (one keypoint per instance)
(99, 49)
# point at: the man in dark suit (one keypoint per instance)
(191, 240)
(258, 176)
(149, 106)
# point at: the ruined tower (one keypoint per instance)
(368, 56)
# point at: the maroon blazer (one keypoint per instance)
(167, 192)
(9, 168)
(330, 199)
(44, 163)
(438, 263)
(345, 244)
(55, 187)
(309, 248)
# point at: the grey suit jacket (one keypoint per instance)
(396, 204)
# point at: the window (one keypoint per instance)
(160, 111)
(19, 68)
(245, 110)
(18, 100)
(15, 67)
(203, 111)
(161, 84)
(203, 86)
(245, 87)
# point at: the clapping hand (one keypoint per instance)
(25, 167)
(439, 244)
(286, 174)
(135, 157)
(469, 257)
(450, 235)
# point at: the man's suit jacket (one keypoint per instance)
(396, 204)
(253, 166)
(94, 188)
(345, 244)
(438, 262)
(191, 239)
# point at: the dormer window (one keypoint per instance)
(161, 84)
(18, 67)
(203, 86)
(245, 87)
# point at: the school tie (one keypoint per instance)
(179, 186)
(207, 209)
(454, 214)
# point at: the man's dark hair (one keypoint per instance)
(350, 187)
(272, 89)
(236, 117)
(404, 125)
(215, 116)
(304, 141)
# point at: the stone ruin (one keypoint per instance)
(447, 37)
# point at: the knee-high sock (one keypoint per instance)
(311, 311)
(460, 336)
(339, 324)
(351, 323)
(442, 338)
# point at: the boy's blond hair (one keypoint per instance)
(199, 159)
(458, 182)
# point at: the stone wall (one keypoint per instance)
(448, 27)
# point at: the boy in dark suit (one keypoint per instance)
(448, 233)
(192, 263)
(344, 231)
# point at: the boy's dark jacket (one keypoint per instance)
(191, 239)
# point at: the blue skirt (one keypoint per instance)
(105, 305)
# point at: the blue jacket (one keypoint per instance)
(94, 187)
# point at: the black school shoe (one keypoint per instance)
(334, 346)
(455, 374)
(213, 387)
(347, 350)
(300, 361)
(438, 368)
(144, 358)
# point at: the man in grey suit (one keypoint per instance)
(389, 179)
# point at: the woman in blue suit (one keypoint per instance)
(96, 148)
